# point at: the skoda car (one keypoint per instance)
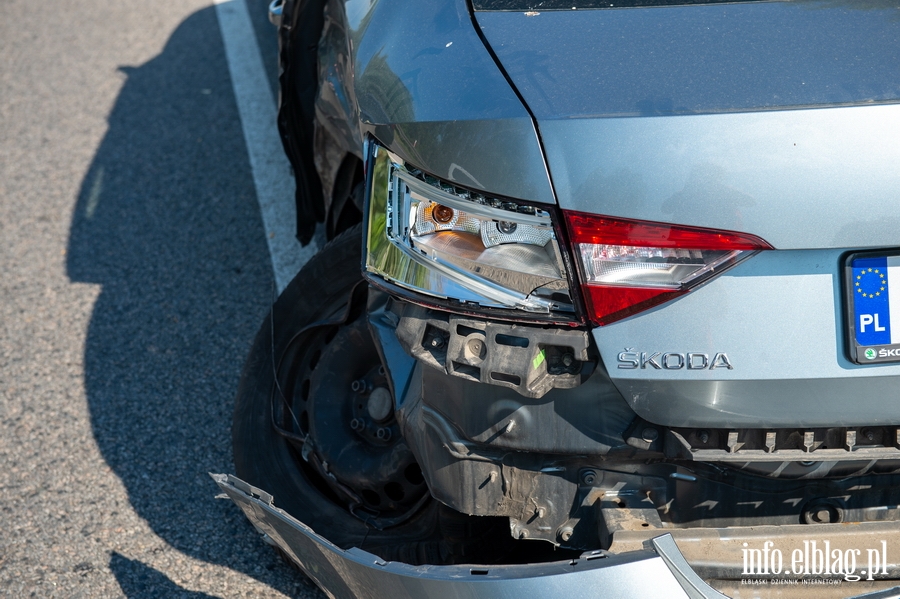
(610, 305)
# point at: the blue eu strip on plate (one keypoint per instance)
(873, 289)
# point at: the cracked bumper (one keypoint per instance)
(357, 574)
(659, 572)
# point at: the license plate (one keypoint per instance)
(872, 287)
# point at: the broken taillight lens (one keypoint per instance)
(628, 266)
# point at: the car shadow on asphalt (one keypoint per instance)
(139, 581)
(167, 223)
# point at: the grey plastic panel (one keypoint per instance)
(660, 574)
(778, 318)
(357, 574)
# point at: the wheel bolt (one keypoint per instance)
(357, 424)
(384, 434)
(359, 386)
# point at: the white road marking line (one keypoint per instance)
(271, 169)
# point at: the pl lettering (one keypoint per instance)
(870, 319)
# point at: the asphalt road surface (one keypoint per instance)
(134, 271)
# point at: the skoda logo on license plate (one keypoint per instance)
(872, 290)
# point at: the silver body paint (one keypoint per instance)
(418, 78)
(778, 119)
(357, 574)
(775, 119)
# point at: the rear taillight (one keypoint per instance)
(627, 266)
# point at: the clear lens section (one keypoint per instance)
(446, 242)
(668, 268)
(430, 217)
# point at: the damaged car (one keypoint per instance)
(610, 305)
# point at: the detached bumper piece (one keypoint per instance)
(356, 574)
(655, 569)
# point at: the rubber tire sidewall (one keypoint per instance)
(264, 458)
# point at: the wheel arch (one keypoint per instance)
(316, 115)
(345, 209)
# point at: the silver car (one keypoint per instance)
(610, 305)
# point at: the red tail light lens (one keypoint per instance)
(628, 266)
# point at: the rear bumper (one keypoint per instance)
(656, 570)
(357, 574)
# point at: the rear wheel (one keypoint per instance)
(314, 424)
